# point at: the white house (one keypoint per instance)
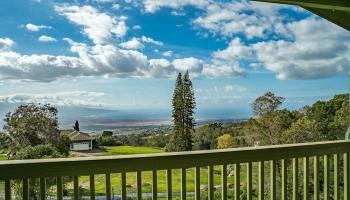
(79, 141)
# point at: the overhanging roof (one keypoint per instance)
(336, 11)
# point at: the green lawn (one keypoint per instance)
(129, 150)
(147, 176)
(3, 157)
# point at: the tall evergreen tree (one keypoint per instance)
(76, 126)
(189, 107)
(183, 110)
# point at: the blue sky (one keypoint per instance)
(123, 55)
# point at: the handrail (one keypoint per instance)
(116, 164)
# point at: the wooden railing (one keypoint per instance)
(298, 171)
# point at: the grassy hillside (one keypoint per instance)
(129, 150)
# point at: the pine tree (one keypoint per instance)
(183, 110)
(76, 126)
(189, 106)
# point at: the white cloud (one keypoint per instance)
(136, 27)
(35, 28)
(75, 98)
(234, 88)
(303, 56)
(223, 70)
(100, 27)
(168, 53)
(6, 43)
(134, 43)
(235, 50)
(150, 40)
(104, 1)
(222, 89)
(45, 38)
(115, 6)
(154, 5)
(193, 65)
(137, 43)
(240, 17)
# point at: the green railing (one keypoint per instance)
(298, 171)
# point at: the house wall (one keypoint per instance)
(81, 146)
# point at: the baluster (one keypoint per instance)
(249, 181)
(326, 177)
(346, 176)
(336, 177)
(237, 181)
(76, 187)
(169, 184)
(261, 180)
(295, 179)
(108, 186)
(7, 189)
(224, 182)
(139, 184)
(123, 177)
(210, 183)
(273, 179)
(197, 183)
(59, 183)
(306, 178)
(284, 179)
(25, 188)
(183, 183)
(316, 179)
(42, 189)
(154, 185)
(92, 187)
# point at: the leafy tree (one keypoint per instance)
(225, 141)
(303, 130)
(108, 141)
(205, 137)
(266, 104)
(76, 126)
(268, 129)
(31, 125)
(183, 111)
(36, 152)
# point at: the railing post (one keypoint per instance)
(7, 189)
(295, 179)
(237, 181)
(154, 185)
(59, 184)
(108, 186)
(316, 179)
(284, 179)
(42, 189)
(336, 177)
(326, 177)
(169, 184)
(25, 189)
(210, 183)
(306, 178)
(123, 181)
(92, 187)
(224, 182)
(197, 183)
(261, 180)
(273, 179)
(346, 177)
(139, 184)
(76, 187)
(183, 184)
(249, 181)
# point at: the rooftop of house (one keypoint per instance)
(76, 135)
